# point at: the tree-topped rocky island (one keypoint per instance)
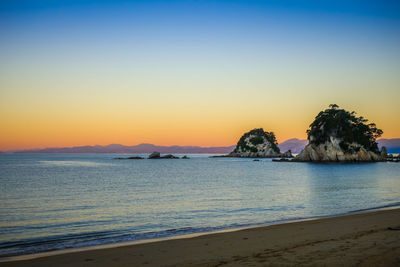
(258, 144)
(337, 135)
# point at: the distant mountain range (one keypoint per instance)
(392, 145)
(295, 145)
(142, 148)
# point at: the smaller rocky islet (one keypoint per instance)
(156, 155)
(258, 143)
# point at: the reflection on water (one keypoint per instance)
(350, 185)
(58, 201)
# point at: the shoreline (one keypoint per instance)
(48, 253)
(57, 257)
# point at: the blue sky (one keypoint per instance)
(228, 64)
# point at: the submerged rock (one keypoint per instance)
(337, 135)
(169, 156)
(135, 157)
(280, 160)
(392, 158)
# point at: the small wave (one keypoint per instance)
(89, 239)
(391, 205)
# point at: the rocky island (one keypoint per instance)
(258, 144)
(337, 135)
(156, 155)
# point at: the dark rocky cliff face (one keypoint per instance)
(256, 143)
(339, 135)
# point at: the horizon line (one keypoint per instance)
(175, 145)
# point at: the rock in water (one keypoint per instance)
(134, 157)
(256, 144)
(154, 155)
(384, 153)
(337, 135)
(169, 156)
(157, 155)
(287, 154)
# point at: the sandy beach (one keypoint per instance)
(362, 239)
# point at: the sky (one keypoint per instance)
(191, 72)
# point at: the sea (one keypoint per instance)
(58, 201)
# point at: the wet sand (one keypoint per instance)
(361, 239)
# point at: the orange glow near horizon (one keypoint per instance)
(173, 127)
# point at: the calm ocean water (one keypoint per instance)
(57, 201)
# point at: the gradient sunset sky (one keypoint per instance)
(191, 72)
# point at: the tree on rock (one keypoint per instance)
(339, 123)
(337, 135)
(333, 106)
(256, 143)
